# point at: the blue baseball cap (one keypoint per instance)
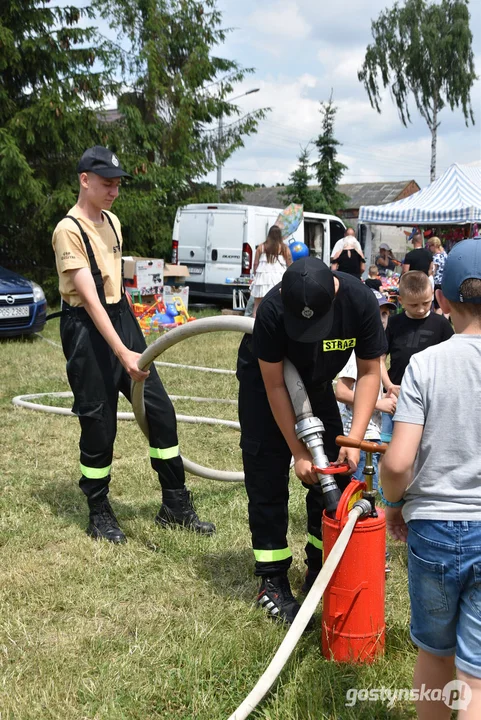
(462, 263)
(382, 300)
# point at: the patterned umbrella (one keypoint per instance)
(290, 219)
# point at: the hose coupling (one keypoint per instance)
(310, 430)
(365, 506)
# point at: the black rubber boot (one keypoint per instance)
(276, 598)
(309, 580)
(177, 509)
(103, 524)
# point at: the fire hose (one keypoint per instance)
(302, 618)
(206, 325)
(309, 429)
(199, 327)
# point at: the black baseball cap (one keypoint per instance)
(101, 161)
(307, 295)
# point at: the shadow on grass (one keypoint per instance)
(231, 573)
(67, 501)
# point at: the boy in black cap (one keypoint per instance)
(316, 318)
(102, 343)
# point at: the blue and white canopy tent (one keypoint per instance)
(455, 197)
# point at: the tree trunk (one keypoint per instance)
(434, 138)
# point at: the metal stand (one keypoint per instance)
(240, 297)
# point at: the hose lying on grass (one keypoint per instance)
(213, 324)
(300, 401)
(302, 618)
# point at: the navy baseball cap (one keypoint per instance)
(307, 296)
(383, 301)
(101, 161)
(462, 263)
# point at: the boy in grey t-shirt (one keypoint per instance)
(432, 490)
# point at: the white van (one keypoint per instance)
(218, 242)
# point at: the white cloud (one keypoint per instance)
(280, 20)
(319, 46)
(341, 62)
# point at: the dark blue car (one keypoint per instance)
(23, 308)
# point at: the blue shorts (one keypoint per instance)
(444, 567)
(386, 427)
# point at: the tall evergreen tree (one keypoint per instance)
(329, 169)
(297, 190)
(52, 73)
(178, 88)
(424, 49)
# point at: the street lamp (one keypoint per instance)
(221, 126)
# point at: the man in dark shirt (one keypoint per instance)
(419, 258)
(315, 317)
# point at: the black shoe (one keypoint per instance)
(103, 524)
(276, 598)
(309, 580)
(177, 509)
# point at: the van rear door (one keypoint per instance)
(225, 237)
(192, 238)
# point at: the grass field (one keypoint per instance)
(163, 627)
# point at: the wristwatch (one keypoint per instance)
(390, 504)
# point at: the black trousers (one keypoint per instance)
(96, 377)
(266, 458)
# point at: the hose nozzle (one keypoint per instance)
(310, 430)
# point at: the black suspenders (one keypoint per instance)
(97, 275)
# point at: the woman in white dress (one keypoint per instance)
(272, 259)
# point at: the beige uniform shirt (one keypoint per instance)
(71, 254)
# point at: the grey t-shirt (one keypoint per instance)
(441, 389)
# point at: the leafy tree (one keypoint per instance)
(205, 192)
(325, 198)
(423, 49)
(297, 190)
(233, 191)
(177, 90)
(52, 73)
(329, 169)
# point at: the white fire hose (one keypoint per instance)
(199, 327)
(303, 412)
(307, 610)
(313, 440)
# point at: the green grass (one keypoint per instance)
(163, 627)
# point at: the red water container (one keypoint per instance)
(353, 625)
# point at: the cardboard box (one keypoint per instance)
(171, 291)
(147, 274)
(176, 273)
(130, 264)
(144, 274)
(150, 277)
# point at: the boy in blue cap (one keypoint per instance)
(433, 496)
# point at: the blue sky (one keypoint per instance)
(300, 49)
